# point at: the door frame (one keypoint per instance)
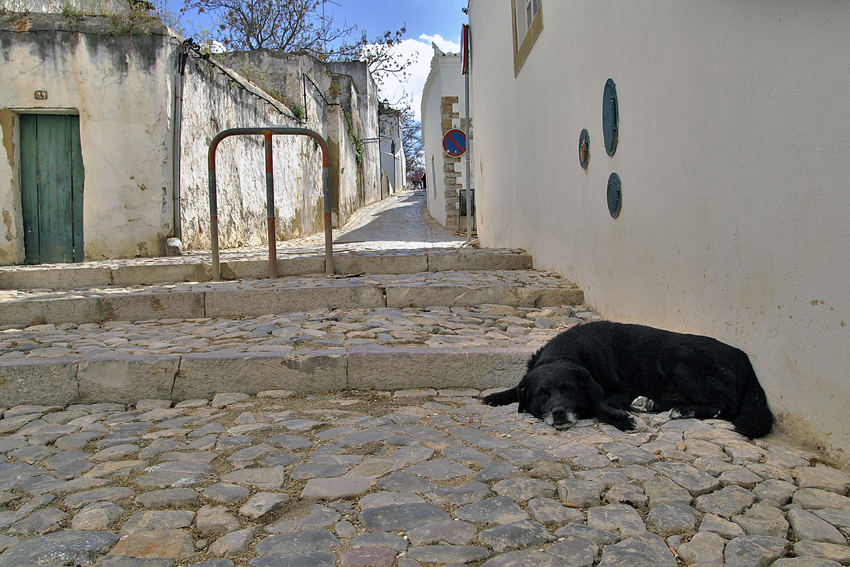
(77, 179)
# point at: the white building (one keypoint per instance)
(443, 108)
(733, 151)
(393, 165)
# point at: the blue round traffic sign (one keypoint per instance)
(454, 142)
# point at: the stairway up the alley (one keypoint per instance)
(154, 418)
(410, 305)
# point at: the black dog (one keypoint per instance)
(601, 369)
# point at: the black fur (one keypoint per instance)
(599, 369)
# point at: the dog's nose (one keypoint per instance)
(560, 416)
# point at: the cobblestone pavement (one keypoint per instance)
(406, 478)
(398, 223)
(460, 327)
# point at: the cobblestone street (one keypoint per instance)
(408, 478)
(349, 466)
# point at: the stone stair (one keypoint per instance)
(125, 330)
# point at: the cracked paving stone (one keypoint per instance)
(445, 531)
(754, 551)
(403, 517)
(263, 478)
(215, 520)
(97, 516)
(778, 492)
(580, 493)
(226, 493)
(152, 520)
(170, 544)
(77, 547)
(524, 489)
(518, 535)
(726, 502)
(262, 503)
(297, 543)
(763, 519)
(688, 477)
(550, 511)
(822, 477)
(443, 554)
(671, 518)
(807, 526)
(334, 488)
(367, 557)
(167, 497)
(525, 558)
(319, 517)
(234, 543)
(466, 493)
(831, 551)
(381, 499)
(574, 552)
(496, 510)
(380, 539)
(645, 550)
(704, 547)
(616, 518)
(405, 482)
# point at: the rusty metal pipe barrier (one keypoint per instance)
(267, 134)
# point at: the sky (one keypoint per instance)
(427, 21)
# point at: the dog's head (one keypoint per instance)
(560, 393)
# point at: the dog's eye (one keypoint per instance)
(543, 395)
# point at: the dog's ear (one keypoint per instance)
(522, 396)
(591, 386)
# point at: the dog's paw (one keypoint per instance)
(642, 404)
(679, 413)
(625, 423)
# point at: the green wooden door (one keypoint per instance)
(52, 188)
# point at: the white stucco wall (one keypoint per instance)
(212, 102)
(87, 70)
(392, 163)
(444, 80)
(733, 152)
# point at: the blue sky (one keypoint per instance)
(429, 17)
(427, 21)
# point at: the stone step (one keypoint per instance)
(234, 265)
(252, 298)
(320, 350)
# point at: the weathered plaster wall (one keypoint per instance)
(119, 86)
(733, 152)
(442, 107)
(332, 94)
(214, 102)
(392, 163)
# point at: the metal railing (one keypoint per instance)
(267, 133)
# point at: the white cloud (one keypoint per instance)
(420, 53)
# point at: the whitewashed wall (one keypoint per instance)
(212, 103)
(733, 153)
(444, 80)
(121, 88)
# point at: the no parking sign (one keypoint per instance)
(454, 142)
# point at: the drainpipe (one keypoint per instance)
(177, 121)
(469, 188)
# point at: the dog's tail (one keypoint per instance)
(754, 418)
